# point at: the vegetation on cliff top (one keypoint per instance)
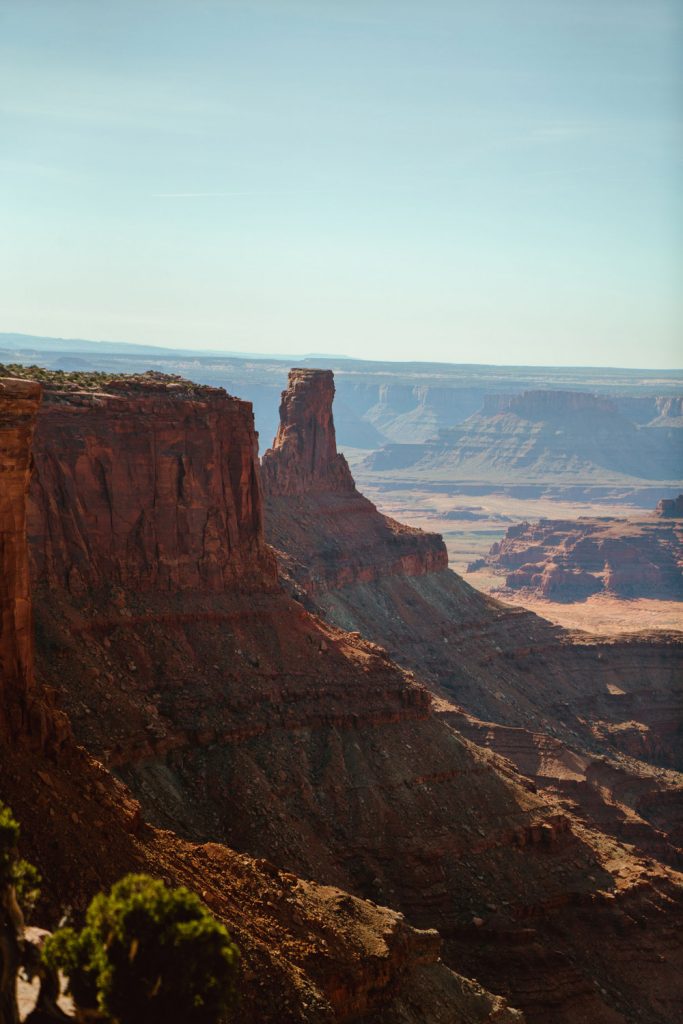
(97, 380)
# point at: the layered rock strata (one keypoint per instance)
(311, 954)
(236, 715)
(27, 713)
(509, 665)
(568, 560)
(551, 442)
(152, 485)
(327, 532)
(19, 402)
(485, 655)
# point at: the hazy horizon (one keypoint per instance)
(445, 182)
(289, 357)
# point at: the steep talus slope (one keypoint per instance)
(311, 954)
(235, 715)
(504, 664)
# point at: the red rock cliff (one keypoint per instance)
(240, 717)
(333, 535)
(304, 455)
(19, 401)
(147, 483)
(544, 404)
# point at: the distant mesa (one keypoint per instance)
(559, 443)
(569, 560)
(670, 508)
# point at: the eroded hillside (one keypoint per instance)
(235, 715)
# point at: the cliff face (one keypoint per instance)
(543, 405)
(19, 401)
(151, 485)
(304, 457)
(330, 534)
(236, 716)
(310, 953)
(558, 442)
(670, 508)
(566, 560)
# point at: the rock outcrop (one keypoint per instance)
(470, 648)
(236, 716)
(304, 457)
(670, 508)
(570, 559)
(19, 401)
(511, 666)
(314, 512)
(153, 486)
(311, 953)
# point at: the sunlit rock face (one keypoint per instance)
(148, 483)
(19, 402)
(332, 534)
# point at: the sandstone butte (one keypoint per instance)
(225, 734)
(567, 560)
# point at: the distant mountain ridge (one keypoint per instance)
(545, 437)
(378, 402)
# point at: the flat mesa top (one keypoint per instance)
(80, 381)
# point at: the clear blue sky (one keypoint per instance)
(485, 181)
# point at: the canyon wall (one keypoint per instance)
(27, 715)
(235, 715)
(311, 954)
(549, 442)
(19, 401)
(546, 404)
(152, 486)
(315, 514)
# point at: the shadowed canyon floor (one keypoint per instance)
(236, 714)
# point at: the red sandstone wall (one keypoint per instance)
(147, 485)
(333, 536)
(304, 455)
(19, 401)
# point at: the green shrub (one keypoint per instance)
(18, 885)
(148, 955)
(15, 872)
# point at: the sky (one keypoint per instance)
(485, 181)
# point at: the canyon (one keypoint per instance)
(266, 680)
(313, 953)
(401, 405)
(563, 443)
